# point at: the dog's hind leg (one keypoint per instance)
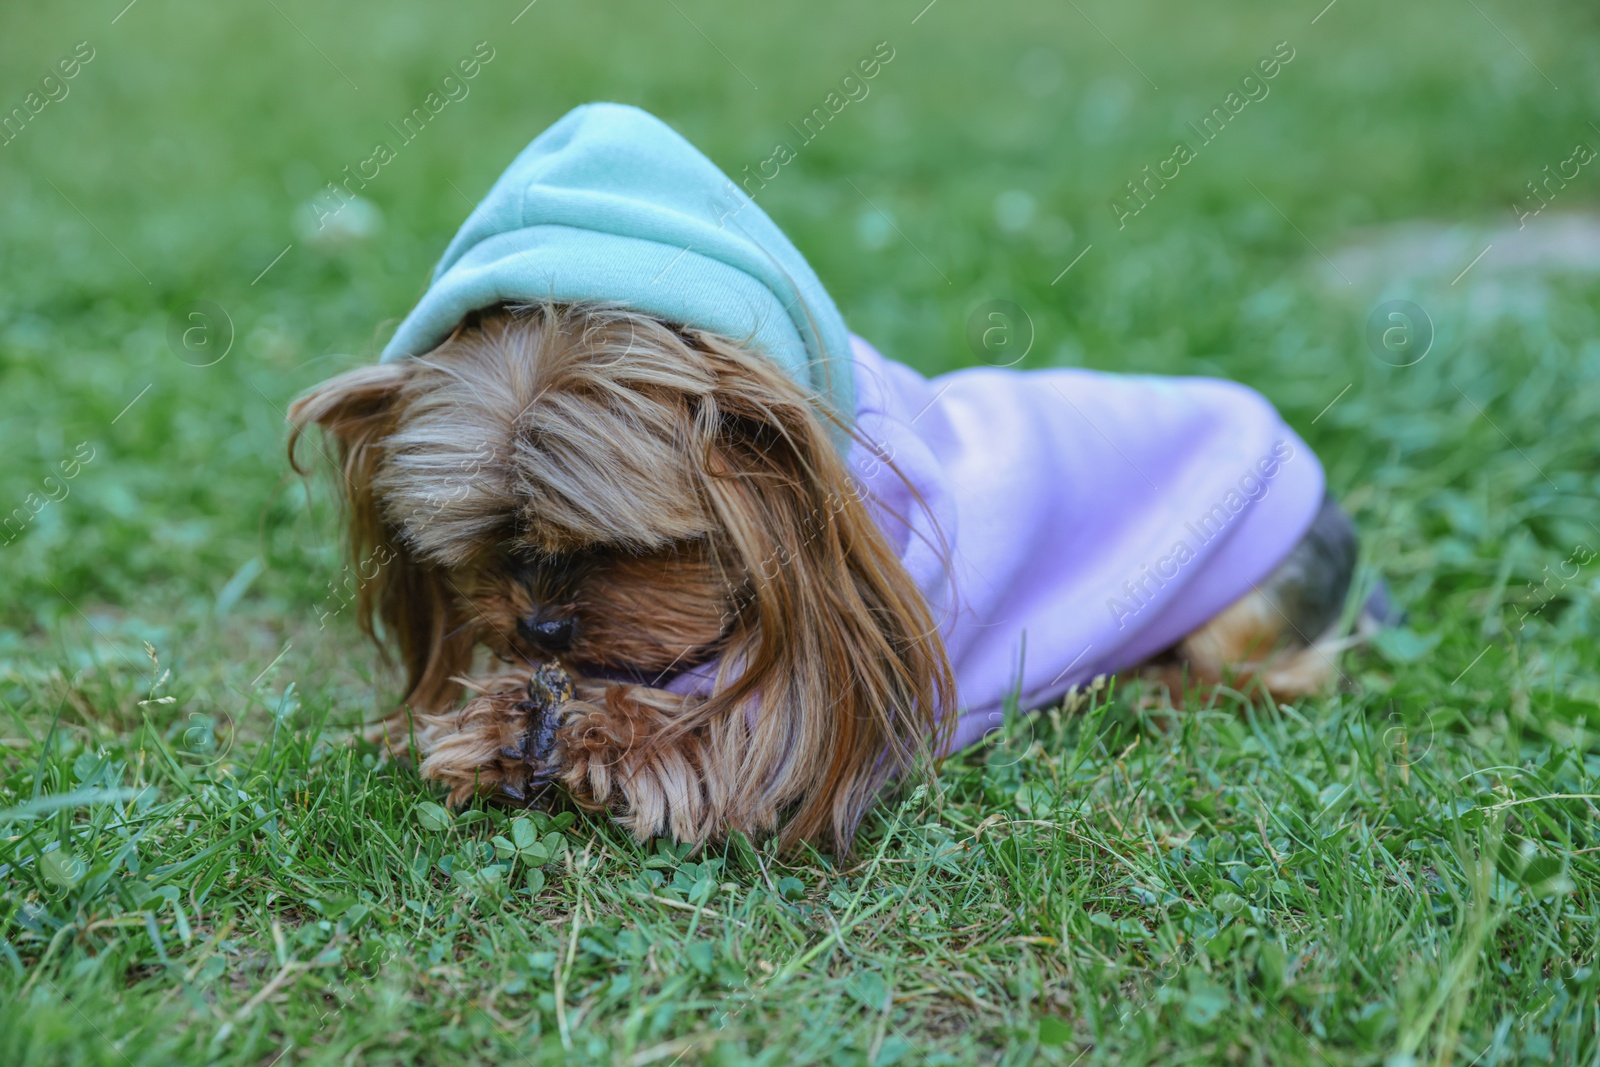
(1284, 634)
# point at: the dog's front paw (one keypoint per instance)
(503, 742)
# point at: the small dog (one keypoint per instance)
(735, 578)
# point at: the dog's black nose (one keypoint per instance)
(549, 634)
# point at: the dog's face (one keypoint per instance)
(593, 486)
(546, 473)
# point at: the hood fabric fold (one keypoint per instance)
(612, 205)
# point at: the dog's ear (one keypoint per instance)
(843, 678)
(403, 603)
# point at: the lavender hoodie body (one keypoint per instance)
(1089, 520)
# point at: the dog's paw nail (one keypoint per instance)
(513, 792)
(518, 754)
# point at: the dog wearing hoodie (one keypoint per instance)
(662, 535)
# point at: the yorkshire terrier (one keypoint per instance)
(741, 580)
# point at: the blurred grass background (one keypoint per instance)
(981, 164)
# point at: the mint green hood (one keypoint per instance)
(611, 205)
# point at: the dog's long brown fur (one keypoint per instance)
(658, 498)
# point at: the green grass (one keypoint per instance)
(197, 866)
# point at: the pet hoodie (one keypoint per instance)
(1072, 523)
